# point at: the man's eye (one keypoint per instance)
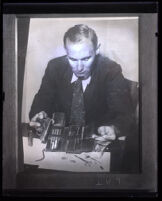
(86, 59)
(72, 59)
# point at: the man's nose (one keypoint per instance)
(80, 65)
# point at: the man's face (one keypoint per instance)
(81, 56)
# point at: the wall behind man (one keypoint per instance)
(118, 38)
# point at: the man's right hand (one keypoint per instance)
(35, 120)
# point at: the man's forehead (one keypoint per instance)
(80, 50)
(78, 42)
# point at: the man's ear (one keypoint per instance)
(98, 49)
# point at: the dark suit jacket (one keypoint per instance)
(107, 98)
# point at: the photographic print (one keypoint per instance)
(80, 98)
(93, 128)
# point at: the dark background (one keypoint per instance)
(113, 7)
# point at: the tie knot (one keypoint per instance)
(79, 80)
(78, 83)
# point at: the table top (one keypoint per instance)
(83, 162)
(113, 156)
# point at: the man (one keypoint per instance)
(107, 104)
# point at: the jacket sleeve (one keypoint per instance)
(45, 99)
(118, 98)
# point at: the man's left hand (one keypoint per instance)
(106, 136)
(107, 132)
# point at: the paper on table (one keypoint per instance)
(65, 161)
(32, 153)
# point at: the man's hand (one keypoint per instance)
(35, 120)
(106, 135)
(107, 132)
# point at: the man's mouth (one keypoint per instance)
(81, 74)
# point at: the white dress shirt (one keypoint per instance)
(84, 82)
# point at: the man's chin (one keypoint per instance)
(83, 77)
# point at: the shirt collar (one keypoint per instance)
(84, 82)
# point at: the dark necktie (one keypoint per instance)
(77, 109)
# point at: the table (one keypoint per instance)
(46, 174)
(83, 162)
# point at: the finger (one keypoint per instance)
(42, 115)
(110, 136)
(34, 124)
(107, 129)
(39, 115)
(101, 130)
(100, 138)
(94, 136)
(106, 137)
(35, 118)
